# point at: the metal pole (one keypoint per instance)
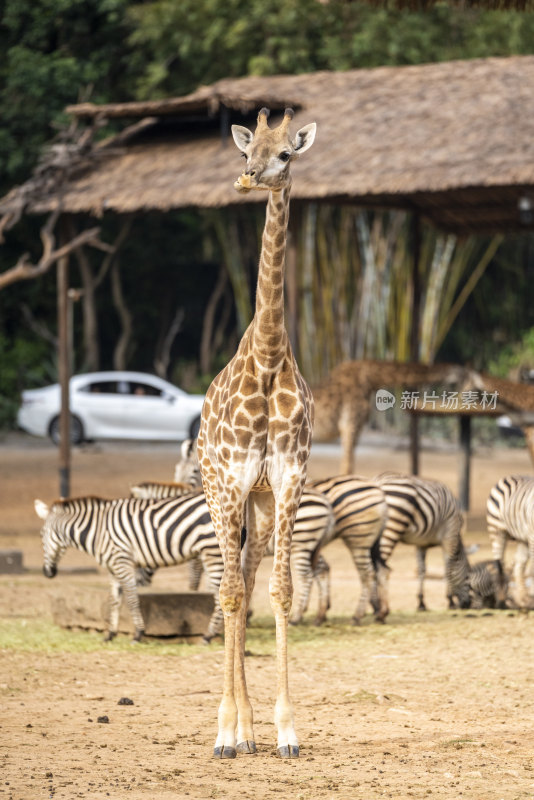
(414, 335)
(465, 469)
(64, 374)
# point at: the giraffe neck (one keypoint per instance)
(269, 340)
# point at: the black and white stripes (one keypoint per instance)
(510, 515)
(126, 534)
(423, 513)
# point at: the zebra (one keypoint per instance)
(510, 515)
(360, 513)
(126, 534)
(314, 524)
(426, 514)
(488, 583)
(187, 470)
(133, 537)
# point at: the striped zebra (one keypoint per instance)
(426, 514)
(488, 583)
(360, 513)
(126, 534)
(187, 469)
(314, 524)
(510, 515)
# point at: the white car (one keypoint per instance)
(114, 405)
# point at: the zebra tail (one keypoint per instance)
(376, 558)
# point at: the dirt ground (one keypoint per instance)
(429, 705)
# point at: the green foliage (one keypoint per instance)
(24, 363)
(515, 356)
(56, 52)
(196, 42)
(53, 50)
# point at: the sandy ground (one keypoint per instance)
(429, 705)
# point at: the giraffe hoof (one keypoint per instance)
(289, 751)
(247, 747)
(224, 752)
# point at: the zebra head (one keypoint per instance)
(187, 469)
(458, 571)
(53, 541)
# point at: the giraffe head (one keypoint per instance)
(269, 151)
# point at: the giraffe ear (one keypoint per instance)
(305, 138)
(242, 137)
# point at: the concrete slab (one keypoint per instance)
(11, 562)
(184, 614)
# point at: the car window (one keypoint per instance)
(144, 390)
(100, 387)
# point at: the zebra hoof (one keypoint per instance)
(248, 747)
(356, 621)
(289, 751)
(109, 636)
(224, 752)
(137, 637)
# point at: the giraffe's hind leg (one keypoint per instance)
(281, 593)
(260, 523)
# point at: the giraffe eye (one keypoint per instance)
(285, 156)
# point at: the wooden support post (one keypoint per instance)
(64, 374)
(414, 337)
(465, 468)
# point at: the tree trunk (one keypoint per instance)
(207, 343)
(121, 351)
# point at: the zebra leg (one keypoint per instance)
(212, 563)
(322, 576)
(520, 563)
(114, 609)
(195, 568)
(381, 586)
(125, 574)
(361, 557)
(420, 553)
(302, 568)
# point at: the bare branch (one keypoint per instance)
(24, 270)
(37, 327)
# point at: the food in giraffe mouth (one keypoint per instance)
(242, 184)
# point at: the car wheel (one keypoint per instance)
(76, 430)
(194, 428)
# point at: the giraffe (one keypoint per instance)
(343, 398)
(512, 395)
(253, 445)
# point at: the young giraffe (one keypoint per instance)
(254, 443)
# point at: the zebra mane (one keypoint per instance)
(71, 502)
(173, 484)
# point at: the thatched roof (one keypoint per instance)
(455, 140)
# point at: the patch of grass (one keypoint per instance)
(38, 635)
(458, 744)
